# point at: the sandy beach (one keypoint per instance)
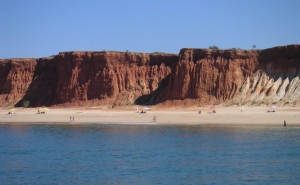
(129, 115)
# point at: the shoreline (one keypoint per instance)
(150, 124)
(171, 116)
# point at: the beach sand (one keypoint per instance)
(128, 115)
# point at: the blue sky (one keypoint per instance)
(40, 28)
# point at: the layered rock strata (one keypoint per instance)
(235, 77)
(194, 77)
(83, 78)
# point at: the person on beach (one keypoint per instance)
(154, 118)
(71, 119)
(284, 123)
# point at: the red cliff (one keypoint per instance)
(235, 77)
(195, 77)
(84, 78)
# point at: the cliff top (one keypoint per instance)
(292, 51)
(289, 51)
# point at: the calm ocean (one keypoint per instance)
(149, 154)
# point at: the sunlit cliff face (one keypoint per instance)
(194, 77)
(236, 76)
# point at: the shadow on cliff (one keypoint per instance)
(284, 68)
(151, 99)
(5, 86)
(42, 88)
(280, 62)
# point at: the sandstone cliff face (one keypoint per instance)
(109, 77)
(195, 77)
(16, 76)
(84, 78)
(235, 77)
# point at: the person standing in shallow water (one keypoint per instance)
(284, 123)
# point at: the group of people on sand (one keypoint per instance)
(143, 112)
(213, 111)
(72, 118)
(213, 108)
(41, 112)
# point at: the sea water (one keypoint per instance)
(149, 154)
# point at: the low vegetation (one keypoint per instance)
(213, 47)
(25, 103)
(235, 48)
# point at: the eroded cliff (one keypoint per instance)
(194, 77)
(84, 78)
(235, 77)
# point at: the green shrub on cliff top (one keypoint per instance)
(157, 53)
(235, 48)
(213, 47)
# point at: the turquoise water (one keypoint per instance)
(149, 154)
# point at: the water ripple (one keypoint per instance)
(149, 154)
